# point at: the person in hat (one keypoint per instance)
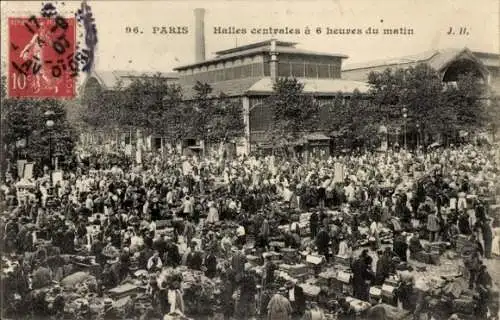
(383, 265)
(415, 246)
(210, 264)
(322, 242)
(484, 285)
(213, 213)
(279, 308)
(194, 259)
(269, 269)
(399, 246)
(238, 263)
(245, 305)
(172, 256)
(433, 226)
(296, 297)
(314, 224)
(154, 263)
(362, 276)
(41, 276)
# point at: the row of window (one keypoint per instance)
(231, 73)
(285, 69)
(308, 70)
(261, 115)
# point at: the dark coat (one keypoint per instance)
(172, 256)
(322, 240)
(361, 275)
(400, 247)
(211, 265)
(194, 260)
(299, 305)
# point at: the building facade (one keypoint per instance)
(248, 73)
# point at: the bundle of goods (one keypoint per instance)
(277, 245)
(388, 312)
(124, 290)
(253, 260)
(311, 292)
(460, 242)
(342, 282)
(386, 236)
(76, 278)
(289, 255)
(358, 306)
(326, 277)
(464, 305)
(439, 246)
(375, 294)
(315, 263)
(428, 257)
(343, 261)
(274, 256)
(198, 292)
(388, 291)
(297, 271)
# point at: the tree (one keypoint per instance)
(225, 121)
(438, 109)
(213, 120)
(294, 112)
(25, 132)
(149, 103)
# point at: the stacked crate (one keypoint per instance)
(461, 242)
(296, 271)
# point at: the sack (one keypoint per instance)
(463, 305)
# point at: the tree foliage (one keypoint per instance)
(294, 112)
(437, 108)
(153, 105)
(26, 132)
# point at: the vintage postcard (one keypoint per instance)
(220, 159)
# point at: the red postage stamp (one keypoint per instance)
(42, 61)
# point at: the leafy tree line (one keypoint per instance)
(433, 108)
(155, 106)
(24, 129)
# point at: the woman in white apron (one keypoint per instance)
(495, 247)
(213, 213)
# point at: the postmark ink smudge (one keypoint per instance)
(85, 17)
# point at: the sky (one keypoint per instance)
(429, 19)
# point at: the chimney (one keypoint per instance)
(273, 64)
(199, 34)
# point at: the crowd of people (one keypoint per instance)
(115, 210)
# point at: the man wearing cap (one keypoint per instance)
(269, 269)
(194, 259)
(322, 241)
(238, 263)
(297, 299)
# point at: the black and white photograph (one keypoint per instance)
(260, 160)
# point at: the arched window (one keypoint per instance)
(462, 67)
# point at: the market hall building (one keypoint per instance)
(248, 73)
(449, 63)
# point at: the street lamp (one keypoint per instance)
(418, 135)
(405, 115)
(49, 124)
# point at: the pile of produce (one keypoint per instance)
(198, 292)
